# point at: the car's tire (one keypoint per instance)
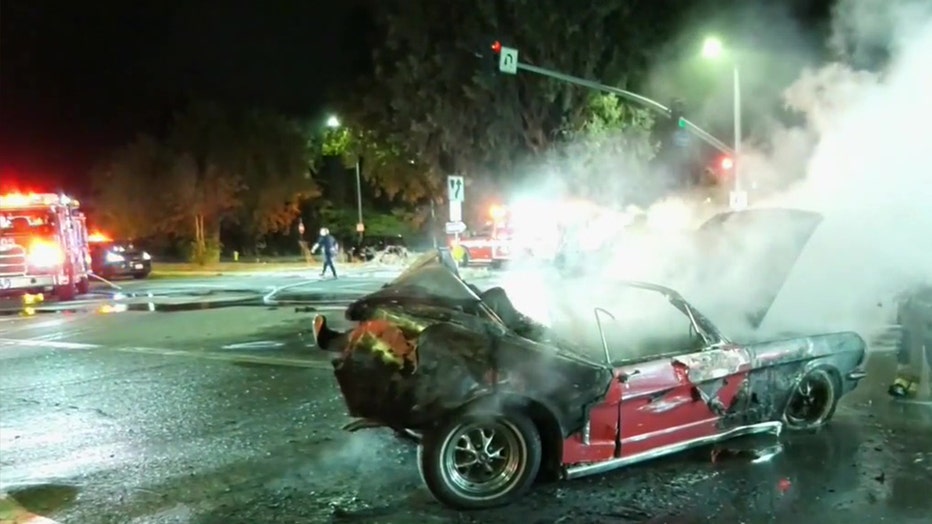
(812, 401)
(510, 436)
(141, 275)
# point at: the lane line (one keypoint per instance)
(54, 344)
(226, 357)
(206, 355)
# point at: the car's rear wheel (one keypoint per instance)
(480, 460)
(812, 402)
(141, 275)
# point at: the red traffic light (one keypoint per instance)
(496, 47)
(727, 163)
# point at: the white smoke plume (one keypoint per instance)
(861, 159)
(870, 173)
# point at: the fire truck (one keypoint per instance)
(43, 245)
(501, 236)
(482, 246)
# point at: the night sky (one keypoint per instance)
(79, 78)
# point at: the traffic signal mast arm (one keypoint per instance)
(628, 95)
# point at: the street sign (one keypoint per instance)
(455, 228)
(360, 227)
(508, 60)
(456, 211)
(456, 188)
(738, 200)
(681, 138)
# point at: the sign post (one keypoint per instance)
(456, 191)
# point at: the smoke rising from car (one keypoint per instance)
(860, 159)
(868, 172)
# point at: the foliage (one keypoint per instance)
(124, 188)
(387, 166)
(615, 140)
(212, 167)
(342, 222)
(273, 164)
(453, 115)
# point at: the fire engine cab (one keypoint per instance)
(43, 245)
(485, 245)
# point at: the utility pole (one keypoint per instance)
(360, 226)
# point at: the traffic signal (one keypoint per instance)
(676, 113)
(488, 50)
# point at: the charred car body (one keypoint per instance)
(499, 400)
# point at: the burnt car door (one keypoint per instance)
(676, 382)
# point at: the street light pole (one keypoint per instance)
(712, 48)
(333, 122)
(359, 198)
(737, 112)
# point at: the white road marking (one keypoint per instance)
(54, 344)
(165, 352)
(226, 357)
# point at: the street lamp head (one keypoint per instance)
(712, 48)
(333, 122)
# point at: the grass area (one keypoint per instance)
(169, 269)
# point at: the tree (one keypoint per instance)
(606, 155)
(389, 167)
(274, 160)
(205, 182)
(212, 167)
(124, 186)
(431, 93)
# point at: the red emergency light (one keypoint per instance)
(496, 47)
(727, 163)
(97, 236)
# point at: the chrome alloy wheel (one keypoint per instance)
(483, 459)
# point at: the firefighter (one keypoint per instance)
(915, 345)
(327, 245)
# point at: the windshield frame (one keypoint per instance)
(432, 261)
(48, 227)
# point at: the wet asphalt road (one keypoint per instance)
(227, 415)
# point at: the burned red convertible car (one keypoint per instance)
(498, 400)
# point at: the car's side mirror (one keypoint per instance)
(624, 377)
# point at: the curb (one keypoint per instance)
(12, 513)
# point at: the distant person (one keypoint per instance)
(327, 245)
